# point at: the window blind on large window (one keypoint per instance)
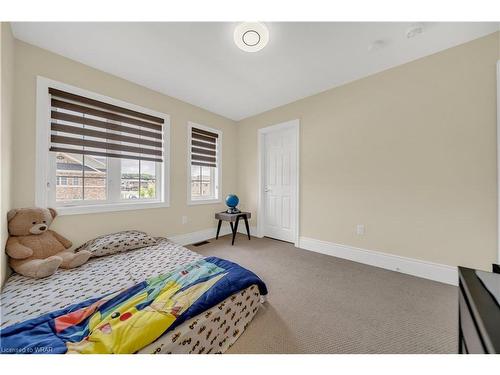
(203, 148)
(86, 126)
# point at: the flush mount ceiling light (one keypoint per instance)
(251, 36)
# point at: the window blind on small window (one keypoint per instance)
(86, 126)
(203, 148)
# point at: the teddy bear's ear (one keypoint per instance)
(11, 214)
(53, 212)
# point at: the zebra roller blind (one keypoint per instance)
(86, 126)
(203, 148)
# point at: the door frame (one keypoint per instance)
(295, 125)
(498, 161)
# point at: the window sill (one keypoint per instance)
(110, 207)
(203, 201)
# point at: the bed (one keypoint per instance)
(212, 331)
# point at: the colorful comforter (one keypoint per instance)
(128, 320)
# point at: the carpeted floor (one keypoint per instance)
(322, 304)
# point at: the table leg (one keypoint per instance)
(235, 229)
(218, 229)
(246, 225)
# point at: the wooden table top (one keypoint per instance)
(231, 217)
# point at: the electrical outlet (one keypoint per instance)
(184, 219)
(360, 229)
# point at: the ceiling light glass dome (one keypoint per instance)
(251, 36)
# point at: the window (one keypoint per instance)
(98, 154)
(80, 178)
(204, 164)
(138, 179)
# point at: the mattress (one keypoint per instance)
(213, 331)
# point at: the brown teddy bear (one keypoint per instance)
(34, 250)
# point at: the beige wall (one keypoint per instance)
(6, 123)
(33, 61)
(409, 152)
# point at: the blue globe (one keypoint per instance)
(232, 200)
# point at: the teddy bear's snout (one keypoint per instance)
(38, 228)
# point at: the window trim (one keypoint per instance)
(194, 202)
(44, 178)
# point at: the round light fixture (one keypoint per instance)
(251, 36)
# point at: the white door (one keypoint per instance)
(279, 183)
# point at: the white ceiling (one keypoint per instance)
(200, 64)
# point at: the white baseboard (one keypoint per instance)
(427, 270)
(206, 234)
(253, 231)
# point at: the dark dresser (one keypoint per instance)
(479, 315)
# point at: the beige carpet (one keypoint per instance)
(322, 304)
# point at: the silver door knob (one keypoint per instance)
(266, 190)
